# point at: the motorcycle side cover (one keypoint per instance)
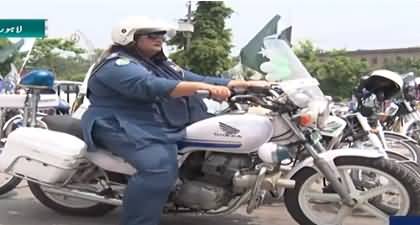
(42, 155)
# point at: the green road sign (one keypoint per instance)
(10, 28)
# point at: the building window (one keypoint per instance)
(398, 58)
(386, 61)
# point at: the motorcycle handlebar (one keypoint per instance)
(252, 94)
(203, 93)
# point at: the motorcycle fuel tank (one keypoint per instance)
(233, 133)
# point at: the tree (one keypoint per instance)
(4, 67)
(337, 73)
(404, 65)
(210, 42)
(46, 49)
(309, 55)
(61, 56)
(8, 54)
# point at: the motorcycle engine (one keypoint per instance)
(201, 196)
(219, 168)
(208, 180)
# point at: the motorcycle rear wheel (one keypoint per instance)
(67, 206)
(8, 183)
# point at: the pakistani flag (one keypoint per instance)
(249, 54)
(286, 35)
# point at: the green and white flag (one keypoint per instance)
(250, 54)
(286, 35)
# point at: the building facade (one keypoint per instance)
(377, 58)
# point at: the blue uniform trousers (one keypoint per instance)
(148, 190)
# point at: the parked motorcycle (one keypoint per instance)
(226, 161)
(12, 115)
(370, 100)
(401, 115)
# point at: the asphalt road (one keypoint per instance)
(20, 208)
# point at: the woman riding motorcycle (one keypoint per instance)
(140, 104)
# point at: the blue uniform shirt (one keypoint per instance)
(137, 96)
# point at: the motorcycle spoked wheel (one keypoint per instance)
(310, 206)
(410, 165)
(68, 205)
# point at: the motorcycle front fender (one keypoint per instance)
(330, 156)
(402, 136)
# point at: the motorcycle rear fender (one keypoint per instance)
(330, 156)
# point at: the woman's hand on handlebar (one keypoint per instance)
(218, 93)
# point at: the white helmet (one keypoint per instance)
(123, 32)
(390, 75)
(385, 81)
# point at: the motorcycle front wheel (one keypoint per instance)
(310, 202)
(402, 146)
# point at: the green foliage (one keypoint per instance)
(404, 66)
(210, 42)
(46, 49)
(61, 56)
(5, 66)
(4, 42)
(337, 73)
(74, 77)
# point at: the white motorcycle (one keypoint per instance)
(12, 108)
(225, 162)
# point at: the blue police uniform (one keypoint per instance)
(132, 115)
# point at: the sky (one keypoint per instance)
(350, 24)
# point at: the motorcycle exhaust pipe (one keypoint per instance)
(285, 183)
(242, 182)
(83, 195)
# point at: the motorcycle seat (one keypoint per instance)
(110, 162)
(102, 158)
(65, 124)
